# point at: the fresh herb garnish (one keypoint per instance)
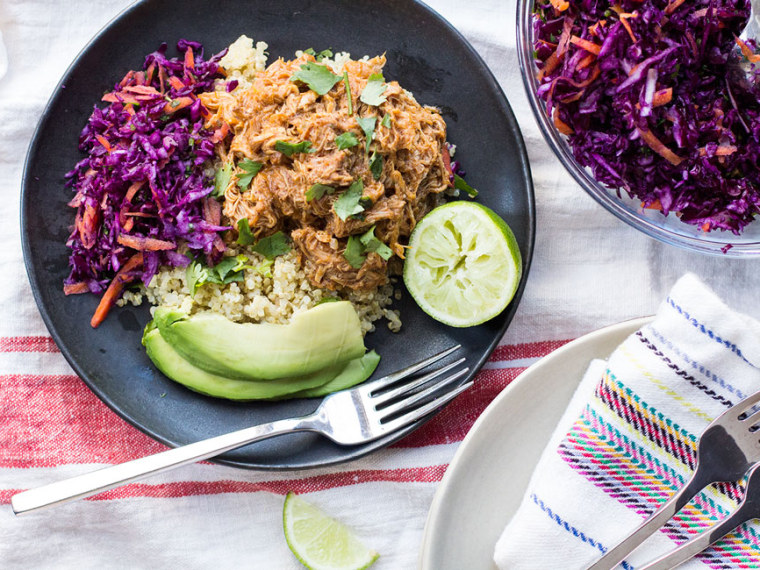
(386, 122)
(373, 91)
(265, 268)
(354, 252)
(349, 202)
(346, 140)
(251, 168)
(357, 248)
(318, 77)
(371, 243)
(367, 125)
(460, 184)
(228, 270)
(319, 56)
(222, 178)
(317, 191)
(289, 149)
(376, 165)
(245, 236)
(347, 85)
(272, 246)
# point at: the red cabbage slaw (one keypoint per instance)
(652, 99)
(144, 186)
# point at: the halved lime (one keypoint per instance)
(463, 264)
(320, 542)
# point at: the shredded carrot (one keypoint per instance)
(176, 82)
(176, 104)
(75, 288)
(121, 97)
(655, 205)
(127, 78)
(585, 44)
(594, 30)
(144, 243)
(560, 5)
(550, 64)
(586, 61)
(189, 58)
(132, 190)
(747, 51)
(220, 133)
(627, 26)
(109, 298)
(706, 226)
(562, 126)
(670, 8)
(102, 140)
(662, 97)
(657, 145)
(722, 150)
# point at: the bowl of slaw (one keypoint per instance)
(643, 213)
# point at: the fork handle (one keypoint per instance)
(101, 480)
(697, 544)
(616, 555)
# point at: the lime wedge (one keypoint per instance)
(463, 265)
(322, 543)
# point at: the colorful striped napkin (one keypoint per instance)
(628, 442)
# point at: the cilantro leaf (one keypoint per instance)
(250, 168)
(347, 85)
(373, 91)
(349, 202)
(376, 165)
(318, 77)
(354, 252)
(367, 124)
(371, 243)
(460, 184)
(272, 246)
(319, 56)
(346, 140)
(245, 237)
(222, 178)
(386, 122)
(195, 276)
(317, 191)
(230, 267)
(289, 149)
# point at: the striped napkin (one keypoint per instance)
(628, 442)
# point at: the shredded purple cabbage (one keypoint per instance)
(696, 154)
(146, 174)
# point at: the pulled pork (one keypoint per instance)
(276, 109)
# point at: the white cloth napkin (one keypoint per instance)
(627, 442)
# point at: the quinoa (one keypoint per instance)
(261, 298)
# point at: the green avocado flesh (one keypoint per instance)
(319, 383)
(322, 337)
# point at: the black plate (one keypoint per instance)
(425, 54)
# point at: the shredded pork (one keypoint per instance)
(275, 108)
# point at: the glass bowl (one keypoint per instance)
(668, 229)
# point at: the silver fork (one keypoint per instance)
(725, 451)
(747, 510)
(350, 417)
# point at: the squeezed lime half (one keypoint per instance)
(320, 542)
(463, 264)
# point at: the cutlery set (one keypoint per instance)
(728, 450)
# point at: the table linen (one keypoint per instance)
(627, 443)
(589, 270)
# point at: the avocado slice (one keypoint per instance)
(322, 337)
(169, 361)
(355, 372)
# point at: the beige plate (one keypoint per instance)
(487, 478)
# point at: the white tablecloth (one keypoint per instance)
(589, 270)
